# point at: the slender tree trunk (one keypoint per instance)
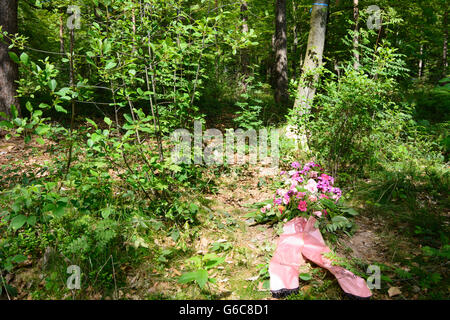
(61, 34)
(295, 29)
(133, 24)
(271, 63)
(313, 60)
(356, 34)
(281, 66)
(445, 46)
(421, 62)
(9, 71)
(244, 52)
(72, 85)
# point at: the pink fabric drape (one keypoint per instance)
(299, 241)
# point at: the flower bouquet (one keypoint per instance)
(307, 191)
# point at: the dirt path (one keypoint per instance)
(253, 246)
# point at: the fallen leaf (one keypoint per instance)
(176, 272)
(394, 291)
(305, 288)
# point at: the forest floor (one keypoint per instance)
(248, 249)
(225, 231)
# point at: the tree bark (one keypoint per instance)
(313, 61)
(445, 46)
(281, 66)
(244, 52)
(421, 62)
(9, 70)
(61, 35)
(295, 30)
(356, 63)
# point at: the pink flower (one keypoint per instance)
(313, 174)
(317, 213)
(266, 208)
(312, 198)
(278, 201)
(300, 195)
(323, 196)
(302, 206)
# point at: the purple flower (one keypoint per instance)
(295, 165)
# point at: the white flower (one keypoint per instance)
(311, 186)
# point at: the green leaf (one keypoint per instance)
(14, 112)
(42, 129)
(108, 121)
(18, 258)
(92, 123)
(31, 220)
(110, 65)
(18, 221)
(106, 212)
(14, 57)
(52, 84)
(59, 211)
(60, 109)
(199, 276)
(6, 124)
(350, 211)
(305, 276)
(24, 58)
(29, 106)
(214, 262)
(40, 141)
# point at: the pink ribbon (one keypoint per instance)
(299, 241)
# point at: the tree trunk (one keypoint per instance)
(445, 48)
(244, 52)
(356, 34)
(421, 62)
(281, 66)
(313, 61)
(9, 71)
(295, 30)
(61, 35)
